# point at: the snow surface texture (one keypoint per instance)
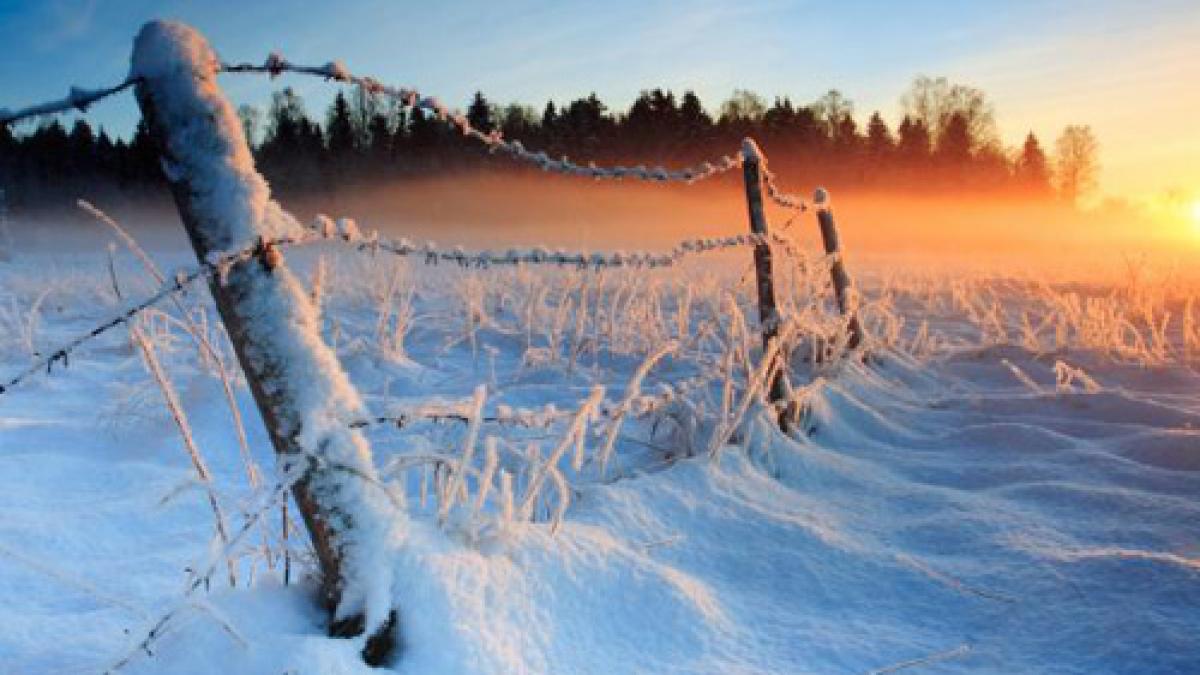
(233, 209)
(1009, 488)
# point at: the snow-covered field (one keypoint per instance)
(1010, 483)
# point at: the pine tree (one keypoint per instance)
(778, 120)
(807, 131)
(1032, 172)
(82, 157)
(879, 138)
(695, 123)
(480, 114)
(107, 162)
(292, 148)
(652, 124)
(954, 144)
(423, 138)
(519, 122)
(549, 132)
(913, 145)
(583, 125)
(143, 157)
(846, 139)
(339, 130)
(400, 149)
(380, 132)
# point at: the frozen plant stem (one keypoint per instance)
(171, 398)
(207, 349)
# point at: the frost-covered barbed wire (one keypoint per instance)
(81, 99)
(346, 230)
(276, 65)
(781, 198)
(77, 98)
(637, 405)
(217, 265)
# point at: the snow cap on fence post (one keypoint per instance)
(842, 286)
(750, 151)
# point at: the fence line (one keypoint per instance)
(305, 383)
(345, 231)
(80, 99)
(275, 65)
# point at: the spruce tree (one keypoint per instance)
(954, 143)
(480, 114)
(879, 138)
(339, 130)
(1032, 171)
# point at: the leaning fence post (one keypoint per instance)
(837, 268)
(303, 394)
(768, 312)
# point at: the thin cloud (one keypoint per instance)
(69, 20)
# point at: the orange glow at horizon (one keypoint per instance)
(1134, 86)
(946, 230)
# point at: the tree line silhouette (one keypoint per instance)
(946, 140)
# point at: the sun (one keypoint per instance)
(1195, 212)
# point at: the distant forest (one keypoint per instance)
(946, 141)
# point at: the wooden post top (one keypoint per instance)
(821, 199)
(750, 151)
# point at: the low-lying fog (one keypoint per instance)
(499, 212)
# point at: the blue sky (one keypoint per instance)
(1128, 68)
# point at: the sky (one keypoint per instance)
(1131, 70)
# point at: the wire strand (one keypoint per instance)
(76, 99)
(81, 99)
(345, 230)
(276, 65)
(178, 281)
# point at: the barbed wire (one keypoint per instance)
(218, 265)
(346, 230)
(276, 65)
(77, 99)
(81, 99)
(781, 198)
(62, 353)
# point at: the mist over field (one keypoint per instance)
(489, 210)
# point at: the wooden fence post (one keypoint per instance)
(303, 394)
(768, 312)
(837, 268)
